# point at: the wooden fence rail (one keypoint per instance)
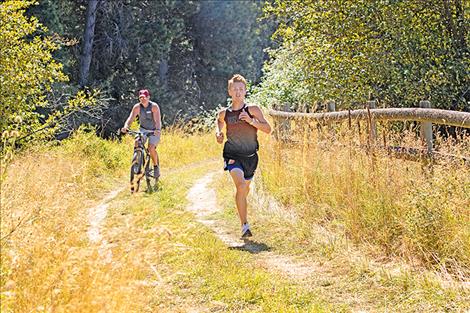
(435, 116)
(425, 115)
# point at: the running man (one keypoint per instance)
(149, 120)
(242, 122)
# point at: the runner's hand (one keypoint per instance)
(245, 117)
(157, 132)
(124, 129)
(220, 137)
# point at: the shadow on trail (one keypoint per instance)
(253, 247)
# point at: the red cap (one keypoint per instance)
(144, 93)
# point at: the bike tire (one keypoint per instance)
(148, 176)
(136, 170)
(156, 178)
(137, 161)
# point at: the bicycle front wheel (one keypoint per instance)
(136, 170)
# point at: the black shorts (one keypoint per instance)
(247, 164)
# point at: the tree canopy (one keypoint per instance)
(399, 52)
(182, 51)
(27, 69)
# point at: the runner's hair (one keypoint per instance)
(237, 78)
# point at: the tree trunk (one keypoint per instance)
(461, 27)
(88, 36)
(163, 71)
(455, 25)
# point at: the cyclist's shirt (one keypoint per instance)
(242, 139)
(146, 116)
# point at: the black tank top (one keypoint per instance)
(242, 138)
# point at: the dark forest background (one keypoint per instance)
(66, 63)
(182, 51)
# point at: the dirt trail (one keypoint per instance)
(96, 217)
(203, 203)
(97, 214)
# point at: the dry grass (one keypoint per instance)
(178, 148)
(48, 263)
(163, 261)
(409, 210)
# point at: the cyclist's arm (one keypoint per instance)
(157, 117)
(132, 116)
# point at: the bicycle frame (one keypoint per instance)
(141, 162)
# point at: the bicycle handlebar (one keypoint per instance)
(133, 132)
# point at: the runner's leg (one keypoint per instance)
(243, 187)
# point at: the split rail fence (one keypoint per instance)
(425, 115)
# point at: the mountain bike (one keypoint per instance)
(140, 166)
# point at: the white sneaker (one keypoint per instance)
(246, 232)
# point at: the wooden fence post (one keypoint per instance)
(284, 124)
(372, 124)
(426, 129)
(331, 106)
(275, 118)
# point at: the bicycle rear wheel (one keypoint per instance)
(151, 179)
(148, 174)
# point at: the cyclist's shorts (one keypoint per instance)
(153, 140)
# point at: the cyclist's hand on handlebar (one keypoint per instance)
(124, 130)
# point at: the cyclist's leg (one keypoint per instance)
(153, 154)
(153, 142)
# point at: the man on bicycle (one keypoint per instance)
(150, 121)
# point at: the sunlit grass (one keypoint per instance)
(178, 148)
(162, 260)
(48, 263)
(359, 275)
(408, 209)
(202, 272)
(344, 211)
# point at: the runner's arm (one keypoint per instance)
(259, 120)
(219, 126)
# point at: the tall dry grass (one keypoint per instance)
(47, 261)
(45, 194)
(415, 211)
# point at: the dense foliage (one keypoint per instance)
(182, 51)
(399, 52)
(27, 75)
